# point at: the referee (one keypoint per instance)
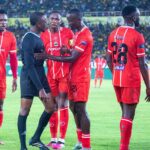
(33, 82)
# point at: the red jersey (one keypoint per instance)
(100, 63)
(53, 43)
(126, 45)
(80, 69)
(7, 46)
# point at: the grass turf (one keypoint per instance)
(104, 113)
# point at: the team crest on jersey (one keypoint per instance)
(55, 43)
(71, 43)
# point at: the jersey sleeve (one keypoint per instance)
(109, 48)
(13, 45)
(140, 46)
(81, 44)
(28, 50)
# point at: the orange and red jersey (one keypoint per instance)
(125, 44)
(53, 42)
(100, 63)
(80, 69)
(7, 46)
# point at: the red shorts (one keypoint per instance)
(78, 91)
(127, 95)
(99, 74)
(58, 85)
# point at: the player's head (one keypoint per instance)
(74, 17)
(54, 19)
(131, 14)
(39, 20)
(3, 20)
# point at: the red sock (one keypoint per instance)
(1, 118)
(64, 117)
(126, 130)
(86, 141)
(79, 135)
(54, 124)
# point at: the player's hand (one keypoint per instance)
(63, 50)
(42, 95)
(42, 56)
(14, 85)
(147, 98)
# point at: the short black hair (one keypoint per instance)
(54, 12)
(76, 12)
(128, 10)
(35, 17)
(2, 11)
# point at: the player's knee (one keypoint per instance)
(72, 108)
(24, 111)
(1, 105)
(51, 108)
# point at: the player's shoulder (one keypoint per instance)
(44, 33)
(66, 30)
(86, 33)
(9, 33)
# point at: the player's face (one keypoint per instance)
(54, 20)
(136, 18)
(73, 21)
(42, 25)
(3, 22)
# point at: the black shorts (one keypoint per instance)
(28, 89)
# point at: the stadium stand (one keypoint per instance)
(93, 8)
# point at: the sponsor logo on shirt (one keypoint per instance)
(54, 49)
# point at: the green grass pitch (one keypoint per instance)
(104, 113)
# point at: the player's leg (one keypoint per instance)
(83, 119)
(43, 121)
(63, 109)
(101, 77)
(53, 122)
(95, 79)
(2, 97)
(23, 114)
(1, 115)
(126, 125)
(78, 146)
(130, 98)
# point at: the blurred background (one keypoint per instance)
(101, 16)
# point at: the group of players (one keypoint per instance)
(68, 55)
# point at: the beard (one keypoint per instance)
(136, 22)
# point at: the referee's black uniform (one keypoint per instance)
(33, 76)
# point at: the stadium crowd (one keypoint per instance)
(24, 7)
(100, 32)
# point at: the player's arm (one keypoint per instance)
(145, 75)
(79, 48)
(73, 56)
(28, 49)
(109, 55)
(13, 62)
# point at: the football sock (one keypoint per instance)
(95, 82)
(42, 124)
(22, 130)
(53, 121)
(64, 117)
(1, 117)
(79, 135)
(86, 141)
(125, 130)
